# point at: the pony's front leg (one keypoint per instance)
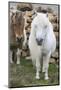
(18, 55)
(46, 65)
(10, 56)
(37, 68)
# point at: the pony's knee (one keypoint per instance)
(18, 55)
(38, 65)
(46, 74)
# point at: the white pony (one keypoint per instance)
(42, 42)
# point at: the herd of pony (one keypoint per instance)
(40, 41)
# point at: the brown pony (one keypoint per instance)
(16, 27)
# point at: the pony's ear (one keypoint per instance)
(46, 14)
(34, 14)
(24, 14)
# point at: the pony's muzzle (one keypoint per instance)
(19, 40)
(39, 42)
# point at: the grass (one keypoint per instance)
(24, 75)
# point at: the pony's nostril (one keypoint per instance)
(19, 39)
(41, 40)
(27, 38)
(28, 33)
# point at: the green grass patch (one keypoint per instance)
(24, 75)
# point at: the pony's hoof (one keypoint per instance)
(11, 62)
(18, 62)
(46, 78)
(37, 77)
